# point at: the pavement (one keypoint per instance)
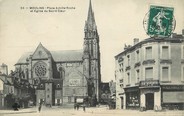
(20, 111)
(94, 111)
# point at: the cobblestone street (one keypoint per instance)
(102, 111)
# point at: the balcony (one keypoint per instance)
(150, 61)
(165, 61)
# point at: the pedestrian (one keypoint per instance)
(74, 106)
(40, 107)
(84, 108)
(77, 106)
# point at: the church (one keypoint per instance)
(59, 77)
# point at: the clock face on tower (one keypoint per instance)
(40, 69)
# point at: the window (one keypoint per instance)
(41, 85)
(137, 75)
(165, 73)
(182, 52)
(137, 56)
(69, 99)
(40, 69)
(149, 73)
(58, 85)
(121, 81)
(148, 54)
(183, 74)
(128, 56)
(69, 64)
(165, 52)
(48, 96)
(128, 78)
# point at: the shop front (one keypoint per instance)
(132, 97)
(172, 97)
(150, 94)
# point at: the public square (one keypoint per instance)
(95, 111)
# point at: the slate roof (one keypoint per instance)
(67, 55)
(58, 56)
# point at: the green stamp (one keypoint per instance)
(160, 22)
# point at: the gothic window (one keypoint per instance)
(94, 42)
(40, 69)
(41, 85)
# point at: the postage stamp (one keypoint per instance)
(160, 22)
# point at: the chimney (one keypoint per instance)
(4, 69)
(183, 32)
(136, 40)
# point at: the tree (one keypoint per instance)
(9, 100)
(91, 89)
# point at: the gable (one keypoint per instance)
(41, 53)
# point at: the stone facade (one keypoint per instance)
(61, 76)
(145, 69)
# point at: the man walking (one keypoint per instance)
(40, 107)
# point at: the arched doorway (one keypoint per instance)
(149, 101)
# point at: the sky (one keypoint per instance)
(118, 23)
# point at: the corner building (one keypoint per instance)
(61, 76)
(150, 74)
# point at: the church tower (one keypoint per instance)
(91, 55)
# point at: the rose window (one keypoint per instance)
(40, 70)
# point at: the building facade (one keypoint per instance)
(13, 89)
(150, 74)
(61, 76)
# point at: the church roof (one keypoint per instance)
(67, 55)
(58, 56)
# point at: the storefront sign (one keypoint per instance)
(149, 83)
(173, 87)
(133, 89)
(173, 97)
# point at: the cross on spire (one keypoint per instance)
(90, 23)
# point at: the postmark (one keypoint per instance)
(160, 21)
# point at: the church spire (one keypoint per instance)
(90, 23)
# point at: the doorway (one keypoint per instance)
(149, 101)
